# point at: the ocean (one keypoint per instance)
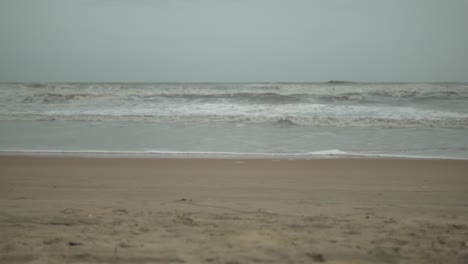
(238, 120)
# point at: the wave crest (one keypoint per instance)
(336, 90)
(56, 98)
(280, 120)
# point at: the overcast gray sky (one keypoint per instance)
(233, 40)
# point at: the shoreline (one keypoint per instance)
(328, 154)
(147, 210)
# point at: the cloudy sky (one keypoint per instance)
(233, 40)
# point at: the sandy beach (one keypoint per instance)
(124, 210)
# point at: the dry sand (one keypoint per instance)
(96, 210)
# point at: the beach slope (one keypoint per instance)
(124, 210)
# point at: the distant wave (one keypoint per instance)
(267, 97)
(122, 91)
(240, 97)
(56, 98)
(339, 82)
(259, 98)
(280, 120)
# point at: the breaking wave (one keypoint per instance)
(317, 104)
(282, 121)
(56, 98)
(331, 90)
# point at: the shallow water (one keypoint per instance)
(302, 119)
(211, 138)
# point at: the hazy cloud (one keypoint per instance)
(228, 40)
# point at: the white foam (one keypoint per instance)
(331, 152)
(318, 118)
(215, 155)
(102, 102)
(124, 90)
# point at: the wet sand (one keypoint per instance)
(110, 210)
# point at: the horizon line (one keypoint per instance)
(280, 82)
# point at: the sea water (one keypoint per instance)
(292, 120)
